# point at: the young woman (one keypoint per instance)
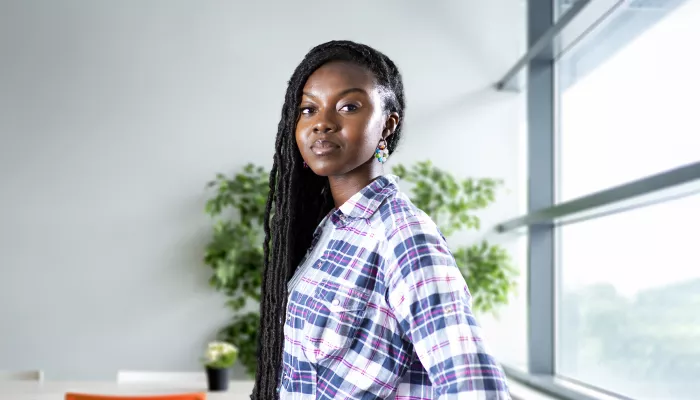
(361, 297)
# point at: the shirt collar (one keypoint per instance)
(364, 203)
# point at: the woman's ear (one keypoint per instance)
(392, 122)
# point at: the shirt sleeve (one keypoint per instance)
(431, 301)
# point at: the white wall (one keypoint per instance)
(113, 115)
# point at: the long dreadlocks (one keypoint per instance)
(301, 199)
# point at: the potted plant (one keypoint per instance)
(218, 359)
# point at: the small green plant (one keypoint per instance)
(220, 355)
(452, 204)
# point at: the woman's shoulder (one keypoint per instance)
(400, 217)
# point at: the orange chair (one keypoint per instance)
(184, 396)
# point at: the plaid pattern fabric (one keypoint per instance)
(384, 313)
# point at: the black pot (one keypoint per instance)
(217, 379)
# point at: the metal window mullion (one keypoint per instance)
(684, 179)
(541, 192)
(541, 44)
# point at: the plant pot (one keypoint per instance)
(218, 379)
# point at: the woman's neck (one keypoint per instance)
(343, 187)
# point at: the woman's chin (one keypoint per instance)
(326, 168)
(334, 167)
(323, 172)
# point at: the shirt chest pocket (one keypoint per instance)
(337, 316)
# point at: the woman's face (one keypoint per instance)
(341, 120)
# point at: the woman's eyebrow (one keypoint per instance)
(341, 94)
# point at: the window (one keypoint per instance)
(616, 281)
(629, 100)
(628, 304)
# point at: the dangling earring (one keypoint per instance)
(381, 153)
(305, 164)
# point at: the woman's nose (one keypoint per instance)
(325, 124)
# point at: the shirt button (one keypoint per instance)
(289, 317)
(336, 302)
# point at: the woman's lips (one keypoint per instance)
(324, 147)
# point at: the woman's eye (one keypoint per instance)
(307, 110)
(349, 107)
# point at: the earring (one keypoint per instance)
(381, 153)
(305, 164)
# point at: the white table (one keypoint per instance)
(238, 390)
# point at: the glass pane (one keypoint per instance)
(629, 97)
(629, 304)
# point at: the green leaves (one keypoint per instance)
(490, 274)
(246, 193)
(220, 355)
(449, 201)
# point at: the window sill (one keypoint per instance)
(525, 386)
(519, 391)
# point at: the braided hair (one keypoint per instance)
(301, 198)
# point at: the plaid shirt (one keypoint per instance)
(384, 313)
